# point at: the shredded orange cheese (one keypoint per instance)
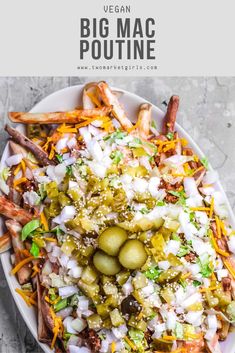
(215, 245)
(52, 152)
(52, 240)
(21, 264)
(203, 290)
(204, 209)
(19, 181)
(212, 207)
(18, 168)
(223, 229)
(193, 336)
(94, 99)
(186, 275)
(178, 350)
(23, 166)
(27, 296)
(230, 268)
(44, 221)
(169, 338)
(113, 347)
(58, 326)
(131, 344)
(198, 170)
(66, 129)
(35, 271)
(217, 221)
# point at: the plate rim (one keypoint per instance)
(5, 256)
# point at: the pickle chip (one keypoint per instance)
(133, 255)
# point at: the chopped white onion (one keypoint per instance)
(95, 150)
(176, 160)
(190, 187)
(78, 324)
(85, 134)
(67, 291)
(61, 144)
(72, 143)
(65, 312)
(140, 185)
(211, 177)
(153, 186)
(76, 349)
(14, 159)
(75, 272)
(31, 198)
(67, 213)
(4, 187)
(67, 324)
(222, 273)
(212, 322)
(231, 244)
(164, 265)
(70, 161)
(83, 303)
(120, 331)
(172, 247)
(194, 317)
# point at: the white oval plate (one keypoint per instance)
(67, 99)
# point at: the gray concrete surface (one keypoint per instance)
(207, 112)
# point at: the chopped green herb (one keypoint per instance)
(136, 142)
(183, 250)
(183, 283)
(196, 283)
(69, 170)
(5, 173)
(205, 162)
(205, 265)
(29, 228)
(154, 124)
(34, 250)
(59, 158)
(136, 336)
(144, 211)
(153, 273)
(161, 203)
(117, 135)
(61, 304)
(179, 330)
(170, 135)
(175, 237)
(181, 195)
(116, 156)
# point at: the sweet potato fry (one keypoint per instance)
(170, 117)
(18, 137)
(44, 334)
(110, 100)
(144, 120)
(72, 117)
(11, 210)
(223, 332)
(15, 228)
(5, 242)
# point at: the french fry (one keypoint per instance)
(72, 117)
(11, 210)
(144, 120)
(170, 117)
(15, 229)
(18, 137)
(44, 333)
(5, 242)
(110, 100)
